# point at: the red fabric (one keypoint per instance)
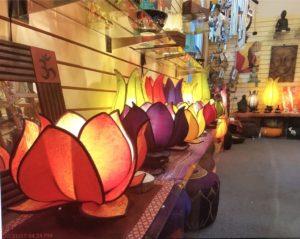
(57, 168)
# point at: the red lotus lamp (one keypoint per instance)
(155, 89)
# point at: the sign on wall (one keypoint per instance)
(283, 63)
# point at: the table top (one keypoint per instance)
(265, 115)
(146, 215)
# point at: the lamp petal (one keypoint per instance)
(29, 134)
(158, 90)
(178, 92)
(121, 92)
(148, 87)
(162, 124)
(169, 91)
(4, 158)
(210, 114)
(44, 122)
(32, 206)
(201, 122)
(143, 85)
(111, 209)
(57, 168)
(193, 126)
(72, 122)
(109, 149)
(134, 124)
(181, 128)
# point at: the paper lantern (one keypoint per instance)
(155, 89)
(209, 112)
(130, 92)
(271, 94)
(221, 127)
(4, 159)
(173, 94)
(60, 167)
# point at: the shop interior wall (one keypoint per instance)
(268, 12)
(86, 69)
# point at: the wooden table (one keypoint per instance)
(287, 119)
(147, 213)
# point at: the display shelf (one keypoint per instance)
(118, 21)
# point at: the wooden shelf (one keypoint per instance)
(265, 115)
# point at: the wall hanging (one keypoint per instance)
(283, 62)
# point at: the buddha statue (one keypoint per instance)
(282, 24)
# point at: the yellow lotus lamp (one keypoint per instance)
(271, 95)
(221, 127)
(128, 93)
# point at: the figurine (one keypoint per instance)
(282, 23)
(253, 77)
(242, 104)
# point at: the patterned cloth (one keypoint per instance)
(204, 194)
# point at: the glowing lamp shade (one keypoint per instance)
(196, 124)
(162, 125)
(60, 167)
(135, 123)
(128, 93)
(4, 159)
(221, 127)
(155, 89)
(181, 127)
(187, 92)
(271, 93)
(201, 90)
(173, 93)
(210, 113)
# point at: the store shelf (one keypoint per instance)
(117, 21)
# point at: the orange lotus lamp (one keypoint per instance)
(271, 95)
(54, 166)
(128, 93)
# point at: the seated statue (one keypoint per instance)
(282, 23)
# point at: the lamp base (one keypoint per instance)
(268, 109)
